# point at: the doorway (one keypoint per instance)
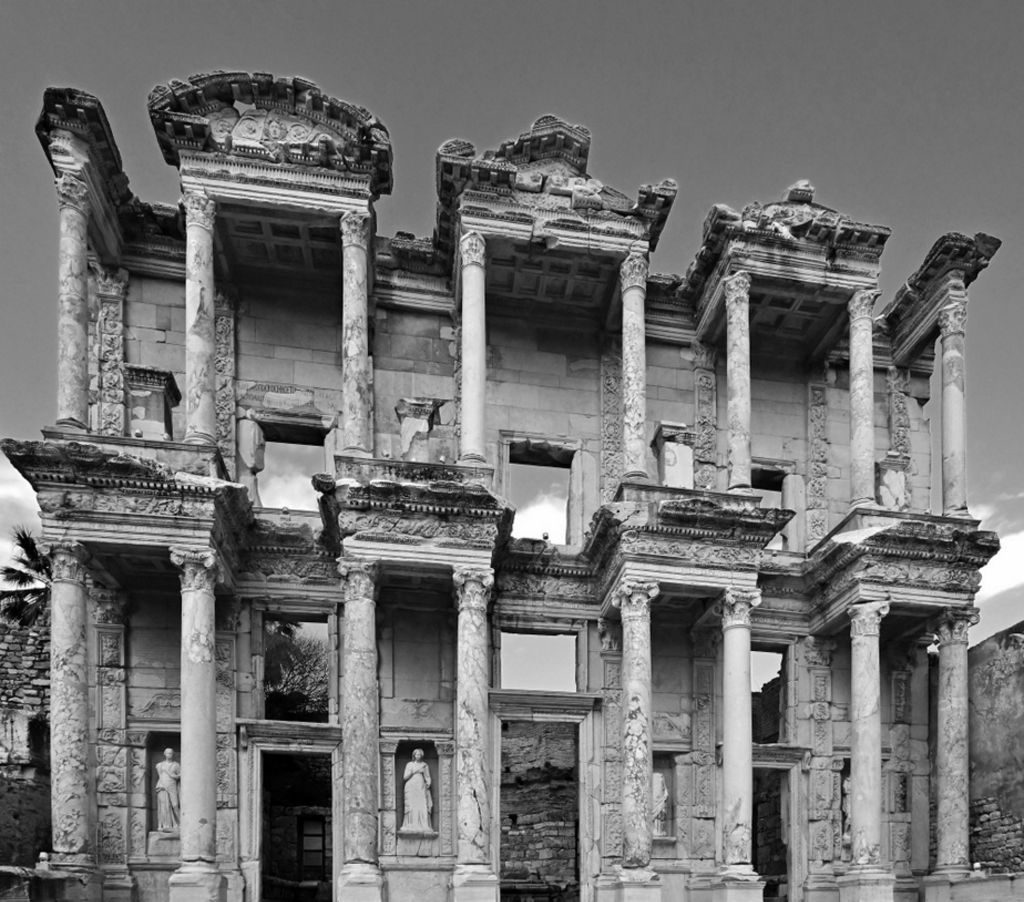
(770, 845)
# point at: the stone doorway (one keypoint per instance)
(771, 840)
(296, 854)
(539, 807)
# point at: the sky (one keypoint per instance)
(905, 114)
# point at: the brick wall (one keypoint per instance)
(997, 837)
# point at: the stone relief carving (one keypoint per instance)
(111, 286)
(419, 802)
(817, 466)
(168, 800)
(472, 249)
(633, 272)
(611, 420)
(224, 382)
(705, 448)
(897, 381)
(72, 192)
(660, 805)
(199, 210)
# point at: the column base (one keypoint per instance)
(197, 883)
(866, 886)
(360, 882)
(629, 885)
(472, 460)
(199, 438)
(356, 452)
(474, 883)
(71, 424)
(737, 883)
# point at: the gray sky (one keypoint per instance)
(906, 114)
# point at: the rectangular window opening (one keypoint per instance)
(296, 668)
(767, 695)
(286, 480)
(544, 662)
(767, 482)
(538, 488)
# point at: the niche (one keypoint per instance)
(417, 789)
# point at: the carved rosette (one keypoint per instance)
(633, 272)
(200, 210)
(862, 303)
(866, 618)
(737, 605)
(472, 249)
(953, 626)
(72, 192)
(355, 229)
(953, 318)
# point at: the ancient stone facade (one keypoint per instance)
(749, 468)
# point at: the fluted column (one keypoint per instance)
(360, 726)
(952, 326)
(866, 743)
(737, 733)
(737, 369)
(472, 254)
(633, 599)
(71, 786)
(198, 878)
(862, 398)
(355, 365)
(200, 333)
(474, 871)
(73, 309)
(952, 820)
(633, 282)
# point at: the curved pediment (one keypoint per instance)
(288, 121)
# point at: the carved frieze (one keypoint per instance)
(111, 287)
(705, 449)
(611, 419)
(817, 465)
(224, 366)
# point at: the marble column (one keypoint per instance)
(737, 376)
(862, 398)
(200, 333)
(737, 733)
(472, 254)
(73, 301)
(952, 817)
(633, 599)
(360, 878)
(71, 786)
(474, 877)
(952, 325)
(198, 877)
(356, 414)
(633, 283)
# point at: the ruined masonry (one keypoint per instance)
(749, 469)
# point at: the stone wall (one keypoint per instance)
(996, 674)
(539, 809)
(24, 742)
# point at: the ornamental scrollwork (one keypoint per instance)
(866, 618)
(633, 272)
(473, 587)
(359, 578)
(737, 604)
(862, 304)
(199, 567)
(355, 229)
(199, 210)
(72, 192)
(953, 626)
(472, 249)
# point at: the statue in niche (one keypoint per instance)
(418, 801)
(659, 804)
(168, 800)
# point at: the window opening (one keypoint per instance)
(538, 487)
(767, 482)
(286, 479)
(296, 668)
(766, 698)
(545, 662)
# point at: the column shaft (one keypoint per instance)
(634, 602)
(472, 587)
(360, 715)
(952, 821)
(73, 310)
(355, 366)
(866, 744)
(737, 368)
(71, 792)
(633, 282)
(200, 336)
(737, 733)
(862, 399)
(472, 252)
(198, 567)
(952, 324)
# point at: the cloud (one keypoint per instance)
(17, 506)
(1004, 571)
(545, 514)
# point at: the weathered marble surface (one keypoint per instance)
(737, 311)
(200, 335)
(952, 327)
(472, 253)
(633, 282)
(862, 398)
(73, 311)
(357, 401)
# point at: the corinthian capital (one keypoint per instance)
(473, 587)
(72, 192)
(866, 618)
(111, 281)
(633, 271)
(862, 304)
(472, 249)
(199, 210)
(67, 561)
(704, 355)
(953, 318)
(359, 578)
(633, 597)
(737, 604)
(199, 566)
(355, 229)
(737, 288)
(952, 626)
